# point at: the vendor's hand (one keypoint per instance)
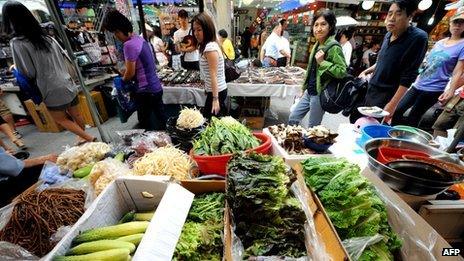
(50, 157)
(216, 107)
(391, 109)
(446, 96)
(320, 56)
(364, 75)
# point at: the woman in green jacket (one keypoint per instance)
(323, 66)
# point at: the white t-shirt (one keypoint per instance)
(273, 46)
(158, 44)
(285, 46)
(204, 68)
(347, 50)
(190, 56)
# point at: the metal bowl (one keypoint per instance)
(408, 135)
(423, 133)
(404, 182)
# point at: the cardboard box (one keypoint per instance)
(291, 160)
(446, 217)
(42, 118)
(324, 227)
(84, 108)
(172, 204)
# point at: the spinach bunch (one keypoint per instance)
(224, 136)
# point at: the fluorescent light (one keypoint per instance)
(366, 5)
(425, 4)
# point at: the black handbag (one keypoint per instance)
(338, 93)
(231, 71)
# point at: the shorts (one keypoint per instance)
(451, 119)
(4, 111)
(64, 107)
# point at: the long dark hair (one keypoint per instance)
(19, 21)
(209, 31)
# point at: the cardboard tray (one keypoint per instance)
(291, 160)
(324, 227)
(172, 204)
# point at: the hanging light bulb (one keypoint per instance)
(431, 20)
(425, 4)
(366, 5)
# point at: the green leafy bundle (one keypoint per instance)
(201, 237)
(351, 203)
(224, 136)
(268, 220)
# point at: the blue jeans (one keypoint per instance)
(307, 103)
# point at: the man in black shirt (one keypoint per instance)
(403, 50)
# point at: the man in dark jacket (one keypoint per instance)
(402, 52)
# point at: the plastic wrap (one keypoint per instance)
(355, 246)
(80, 156)
(127, 136)
(51, 174)
(414, 247)
(60, 233)
(149, 141)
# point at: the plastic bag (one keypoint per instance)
(104, 172)
(80, 156)
(51, 174)
(127, 136)
(149, 141)
(60, 233)
(356, 246)
(9, 251)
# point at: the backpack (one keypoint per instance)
(27, 87)
(337, 94)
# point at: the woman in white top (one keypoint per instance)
(211, 65)
(159, 46)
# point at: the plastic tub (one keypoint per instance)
(389, 154)
(372, 132)
(218, 164)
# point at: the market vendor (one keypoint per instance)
(402, 52)
(17, 175)
(140, 66)
(183, 38)
(273, 46)
(452, 115)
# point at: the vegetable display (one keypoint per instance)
(201, 237)
(81, 156)
(224, 136)
(38, 215)
(164, 161)
(268, 220)
(352, 204)
(190, 119)
(292, 138)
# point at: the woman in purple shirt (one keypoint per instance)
(140, 66)
(444, 63)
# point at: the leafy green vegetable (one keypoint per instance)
(201, 237)
(268, 220)
(224, 136)
(352, 204)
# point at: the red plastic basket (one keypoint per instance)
(388, 154)
(218, 164)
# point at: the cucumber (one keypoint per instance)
(119, 156)
(111, 232)
(143, 216)
(120, 254)
(128, 217)
(100, 245)
(134, 239)
(83, 172)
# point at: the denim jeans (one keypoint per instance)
(307, 103)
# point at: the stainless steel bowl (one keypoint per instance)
(408, 135)
(423, 133)
(407, 183)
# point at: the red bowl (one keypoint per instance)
(388, 154)
(218, 164)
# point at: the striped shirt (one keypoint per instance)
(204, 68)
